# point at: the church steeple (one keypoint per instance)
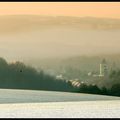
(103, 68)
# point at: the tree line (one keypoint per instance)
(20, 76)
(94, 89)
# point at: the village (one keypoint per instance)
(103, 73)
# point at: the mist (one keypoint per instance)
(49, 40)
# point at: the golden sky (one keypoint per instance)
(81, 9)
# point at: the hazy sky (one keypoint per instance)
(95, 9)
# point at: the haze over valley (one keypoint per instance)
(26, 37)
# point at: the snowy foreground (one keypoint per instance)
(43, 104)
(92, 109)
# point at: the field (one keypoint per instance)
(45, 104)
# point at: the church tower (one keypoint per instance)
(103, 68)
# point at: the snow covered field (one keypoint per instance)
(48, 104)
(91, 109)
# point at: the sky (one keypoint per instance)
(79, 9)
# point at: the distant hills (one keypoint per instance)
(13, 23)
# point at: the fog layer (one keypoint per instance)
(50, 39)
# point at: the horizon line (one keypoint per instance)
(59, 16)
